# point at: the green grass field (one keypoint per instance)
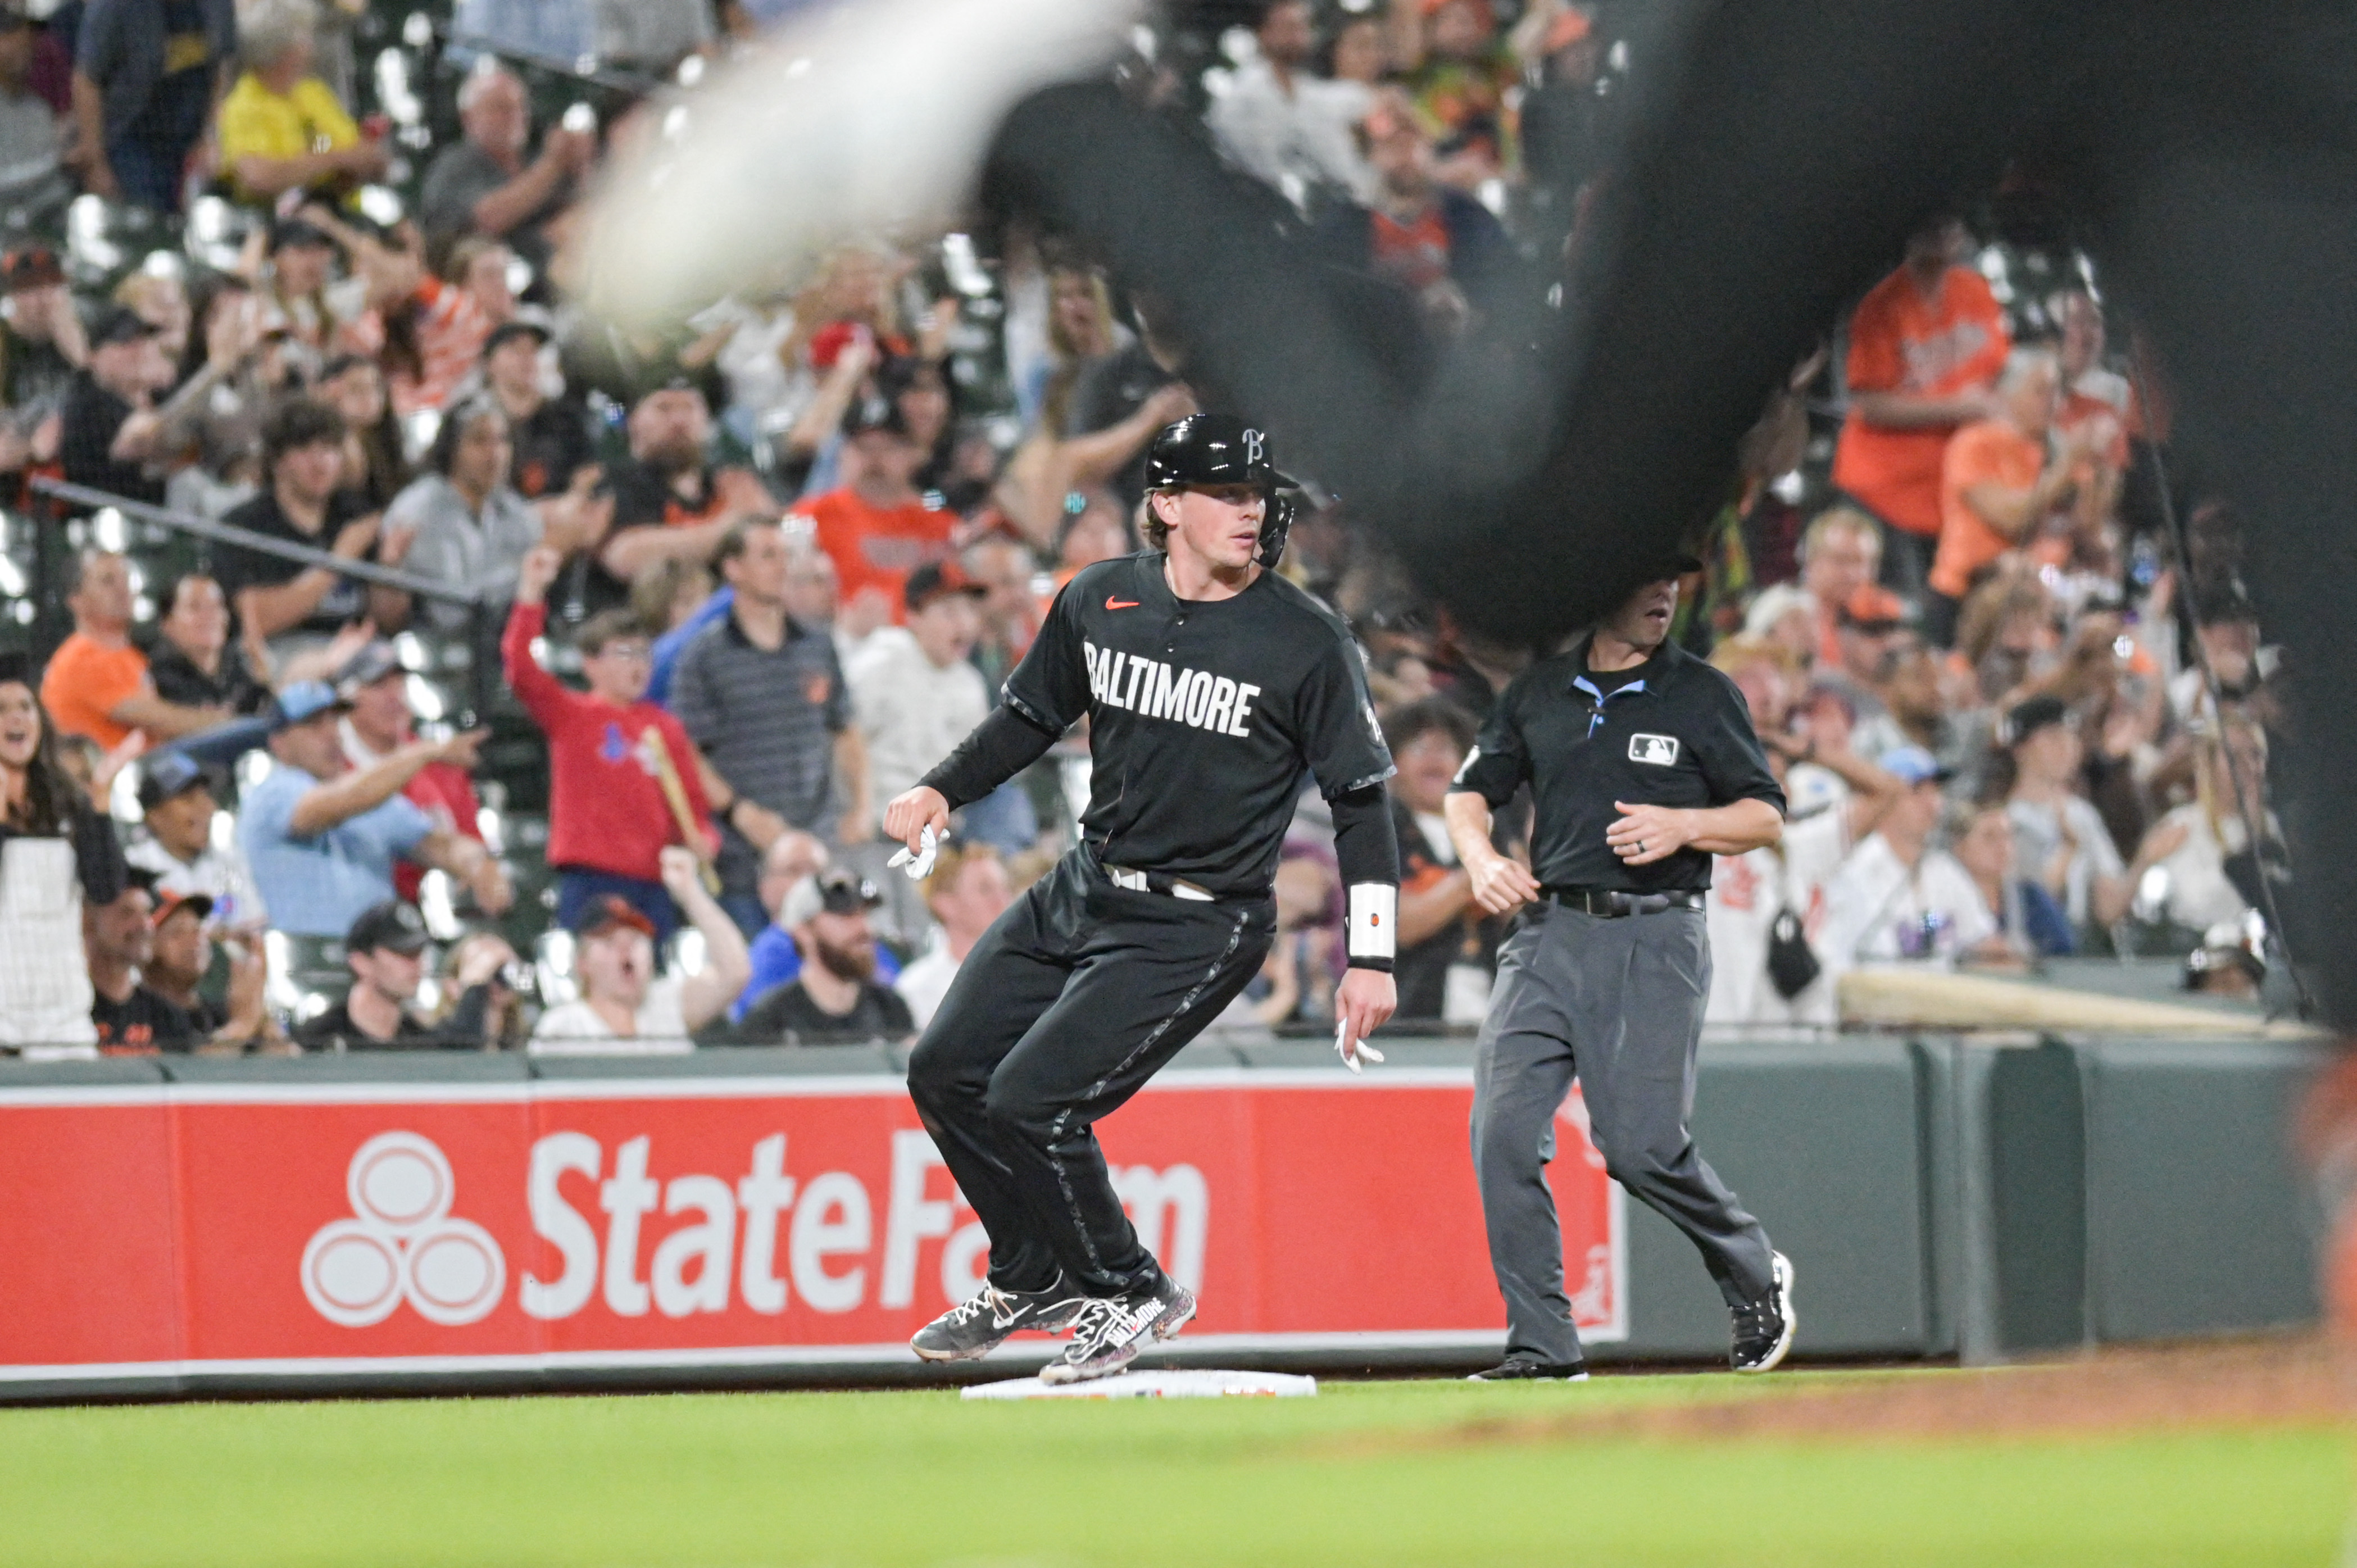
(1364, 1474)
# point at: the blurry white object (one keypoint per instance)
(739, 192)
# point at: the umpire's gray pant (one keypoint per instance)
(1619, 1004)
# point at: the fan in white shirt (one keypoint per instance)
(1832, 796)
(967, 891)
(624, 1009)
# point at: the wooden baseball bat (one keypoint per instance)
(658, 756)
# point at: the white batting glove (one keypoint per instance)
(1353, 1052)
(919, 865)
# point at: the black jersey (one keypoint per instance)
(1673, 732)
(1203, 716)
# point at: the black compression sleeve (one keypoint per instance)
(1001, 746)
(1367, 851)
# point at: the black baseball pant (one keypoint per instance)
(1073, 998)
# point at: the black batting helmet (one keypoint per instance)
(1220, 449)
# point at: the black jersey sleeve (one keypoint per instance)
(1051, 686)
(1500, 763)
(1341, 738)
(1727, 748)
(1002, 746)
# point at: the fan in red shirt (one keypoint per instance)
(876, 528)
(609, 817)
(379, 722)
(1925, 347)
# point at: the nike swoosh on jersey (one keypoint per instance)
(1114, 604)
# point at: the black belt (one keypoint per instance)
(1609, 903)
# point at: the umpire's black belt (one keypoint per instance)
(1608, 903)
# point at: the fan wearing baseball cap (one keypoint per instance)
(835, 995)
(625, 1008)
(386, 950)
(178, 800)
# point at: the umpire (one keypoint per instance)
(1642, 764)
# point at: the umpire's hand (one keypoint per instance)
(909, 815)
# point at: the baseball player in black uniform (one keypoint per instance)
(1642, 764)
(1212, 686)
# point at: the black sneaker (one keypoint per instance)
(1515, 1369)
(1763, 1330)
(981, 1323)
(1112, 1330)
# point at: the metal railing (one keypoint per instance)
(483, 607)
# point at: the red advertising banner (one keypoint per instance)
(322, 1228)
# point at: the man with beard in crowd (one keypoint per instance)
(669, 503)
(835, 995)
(118, 938)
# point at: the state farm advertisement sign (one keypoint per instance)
(672, 1223)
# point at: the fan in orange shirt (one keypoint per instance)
(1924, 346)
(876, 528)
(1996, 485)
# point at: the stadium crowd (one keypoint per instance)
(746, 582)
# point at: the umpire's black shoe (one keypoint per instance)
(981, 1323)
(1763, 1328)
(1112, 1330)
(1517, 1369)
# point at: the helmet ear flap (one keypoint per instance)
(1275, 523)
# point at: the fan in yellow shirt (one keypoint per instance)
(281, 128)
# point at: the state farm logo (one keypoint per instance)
(401, 1244)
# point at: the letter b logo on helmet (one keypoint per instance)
(1209, 449)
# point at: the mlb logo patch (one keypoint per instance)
(1660, 750)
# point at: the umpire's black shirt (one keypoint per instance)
(1671, 732)
(1204, 714)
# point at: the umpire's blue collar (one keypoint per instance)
(1656, 675)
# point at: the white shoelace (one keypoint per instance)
(1000, 1305)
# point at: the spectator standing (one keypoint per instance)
(1434, 242)
(609, 819)
(97, 684)
(1461, 73)
(668, 502)
(1840, 554)
(967, 891)
(385, 949)
(1276, 122)
(1997, 485)
(281, 128)
(377, 723)
(32, 176)
(625, 1007)
(57, 856)
(877, 528)
(835, 997)
(322, 839)
(466, 527)
(914, 693)
(764, 698)
(1119, 404)
(484, 185)
(291, 605)
(177, 960)
(1768, 909)
(146, 76)
(551, 435)
(118, 940)
(1925, 344)
(178, 804)
(195, 664)
(1447, 950)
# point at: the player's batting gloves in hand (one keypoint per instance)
(1353, 1052)
(918, 863)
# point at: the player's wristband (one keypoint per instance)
(1372, 941)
